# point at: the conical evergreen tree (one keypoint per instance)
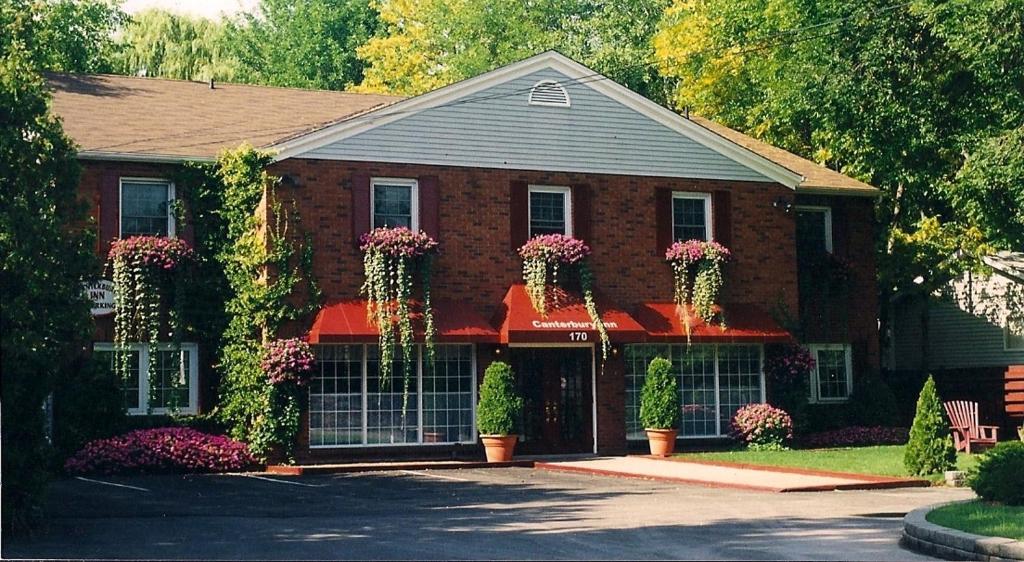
(930, 448)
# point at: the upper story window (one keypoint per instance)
(691, 216)
(146, 207)
(395, 202)
(832, 378)
(550, 210)
(814, 229)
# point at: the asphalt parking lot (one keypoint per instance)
(510, 513)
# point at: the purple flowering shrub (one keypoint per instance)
(855, 436)
(762, 427)
(555, 248)
(288, 360)
(397, 242)
(164, 449)
(159, 252)
(787, 364)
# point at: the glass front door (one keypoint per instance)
(555, 384)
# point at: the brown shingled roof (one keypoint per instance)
(817, 178)
(150, 117)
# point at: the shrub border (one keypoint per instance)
(925, 537)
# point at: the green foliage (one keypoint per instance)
(998, 476)
(873, 403)
(44, 319)
(989, 189)
(67, 35)
(169, 45)
(87, 405)
(660, 401)
(500, 405)
(930, 448)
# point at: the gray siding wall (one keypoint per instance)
(596, 135)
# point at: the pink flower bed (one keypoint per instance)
(289, 360)
(857, 435)
(762, 427)
(555, 248)
(156, 251)
(397, 242)
(165, 449)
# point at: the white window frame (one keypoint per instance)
(813, 348)
(171, 197)
(828, 221)
(413, 184)
(566, 198)
(1007, 346)
(143, 349)
(708, 221)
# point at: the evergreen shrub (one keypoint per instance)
(930, 448)
(660, 401)
(500, 405)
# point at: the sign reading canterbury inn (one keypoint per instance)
(101, 294)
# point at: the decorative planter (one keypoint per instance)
(499, 447)
(662, 441)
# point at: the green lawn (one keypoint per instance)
(982, 518)
(884, 460)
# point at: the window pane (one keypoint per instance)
(739, 369)
(448, 395)
(697, 365)
(130, 387)
(171, 379)
(144, 209)
(387, 420)
(336, 396)
(392, 205)
(637, 358)
(832, 374)
(547, 213)
(810, 231)
(689, 221)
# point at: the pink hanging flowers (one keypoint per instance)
(397, 242)
(288, 360)
(159, 252)
(555, 248)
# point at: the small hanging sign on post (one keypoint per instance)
(101, 294)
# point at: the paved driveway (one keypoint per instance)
(497, 513)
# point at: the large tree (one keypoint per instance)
(161, 43)
(71, 35)
(45, 256)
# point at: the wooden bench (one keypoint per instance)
(967, 432)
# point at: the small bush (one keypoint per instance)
(762, 427)
(167, 449)
(857, 436)
(660, 401)
(88, 405)
(873, 403)
(930, 448)
(500, 405)
(999, 476)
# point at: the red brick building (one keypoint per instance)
(539, 146)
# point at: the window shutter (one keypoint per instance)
(663, 220)
(721, 212)
(519, 213)
(360, 206)
(430, 203)
(581, 217)
(110, 211)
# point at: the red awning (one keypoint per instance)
(567, 319)
(346, 322)
(744, 324)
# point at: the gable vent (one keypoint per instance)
(549, 92)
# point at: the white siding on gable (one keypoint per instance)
(595, 135)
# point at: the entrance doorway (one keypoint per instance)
(555, 384)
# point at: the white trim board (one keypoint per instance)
(463, 90)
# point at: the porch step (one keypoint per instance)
(298, 470)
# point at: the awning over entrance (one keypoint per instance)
(346, 322)
(744, 324)
(567, 320)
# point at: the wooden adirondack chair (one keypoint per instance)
(963, 421)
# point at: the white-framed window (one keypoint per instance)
(814, 228)
(395, 202)
(550, 208)
(1012, 339)
(146, 207)
(714, 380)
(832, 377)
(176, 384)
(691, 216)
(350, 406)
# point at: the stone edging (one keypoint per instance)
(925, 537)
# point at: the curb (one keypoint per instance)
(299, 470)
(922, 536)
(870, 481)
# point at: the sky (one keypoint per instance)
(205, 8)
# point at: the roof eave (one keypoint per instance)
(839, 191)
(155, 158)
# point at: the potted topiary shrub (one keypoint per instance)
(659, 407)
(498, 412)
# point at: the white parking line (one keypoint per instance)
(284, 481)
(112, 484)
(441, 476)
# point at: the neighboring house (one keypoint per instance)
(542, 145)
(968, 338)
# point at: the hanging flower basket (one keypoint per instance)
(700, 263)
(288, 361)
(543, 256)
(391, 257)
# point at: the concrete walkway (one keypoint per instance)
(724, 476)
